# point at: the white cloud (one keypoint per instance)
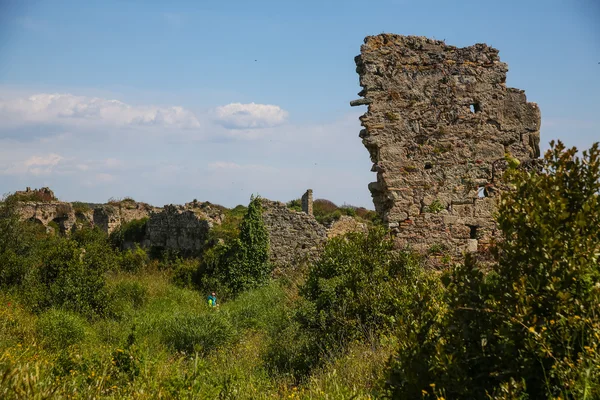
(70, 109)
(231, 166)
(223, 165)
(104, 178)
(69, 144)
(113, 163)
(47, 160)
(250, 116)
(34, 165)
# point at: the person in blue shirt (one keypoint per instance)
(212, 300)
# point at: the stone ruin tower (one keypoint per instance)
(440, 120)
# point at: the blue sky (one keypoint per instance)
(170, 101)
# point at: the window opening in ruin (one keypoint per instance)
(473, 233)
(475, 108)
(428, 165)
(481, 192)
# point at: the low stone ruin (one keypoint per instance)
(52, 214)
(178, 229)
(182, 228)
(440, 120)
(294, 236)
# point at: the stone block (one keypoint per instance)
(463, 210)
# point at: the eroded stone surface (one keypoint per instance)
(44, 213)
(294, 236)
(439, 122)
(345, 225)
(177, 228)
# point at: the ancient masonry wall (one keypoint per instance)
(307, 202)
(176, 228)
(439, 122)
(294, 236)
(44, 213)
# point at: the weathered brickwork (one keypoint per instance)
(440, 120)
(176, 228)
(294, 236)
(60, 213)
(307, 202)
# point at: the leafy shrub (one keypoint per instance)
(70, 277)
(131, 292)
(435, 207)
(133, 231)
(530, 328)
(59, 328)
(198, 333)
(295, 205)
(326, 212)
(133, 260)
(437, 249)
(291, 351)
(18, 243)
(230, 228)
(323, 206)
(185, 273)
(261, 308)
(80, 207)
(242, 263)
(368, 215)
(356, 290)
(87, 235)
(55, 226)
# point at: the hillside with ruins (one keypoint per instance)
(476, 276)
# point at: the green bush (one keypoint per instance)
(18, 245)
(133, 260)
(239, 264)
(133, 231)
(258, 309)
(291, 350)
(530, 328)
(326, 212)
(230, 228)
(70, 277)
(80, 207)
(201, 333)
(130, 292)
(59, 328)
(185, 272)
(295, 205)
(356, 290)
(87, 235)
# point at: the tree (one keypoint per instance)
(530, 327)
(241, 263)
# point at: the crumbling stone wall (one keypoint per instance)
(346, 224)
(44, 213)
(176, 228)
(439, 122)
(109, 217)
(294, 236)
(307, 202)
